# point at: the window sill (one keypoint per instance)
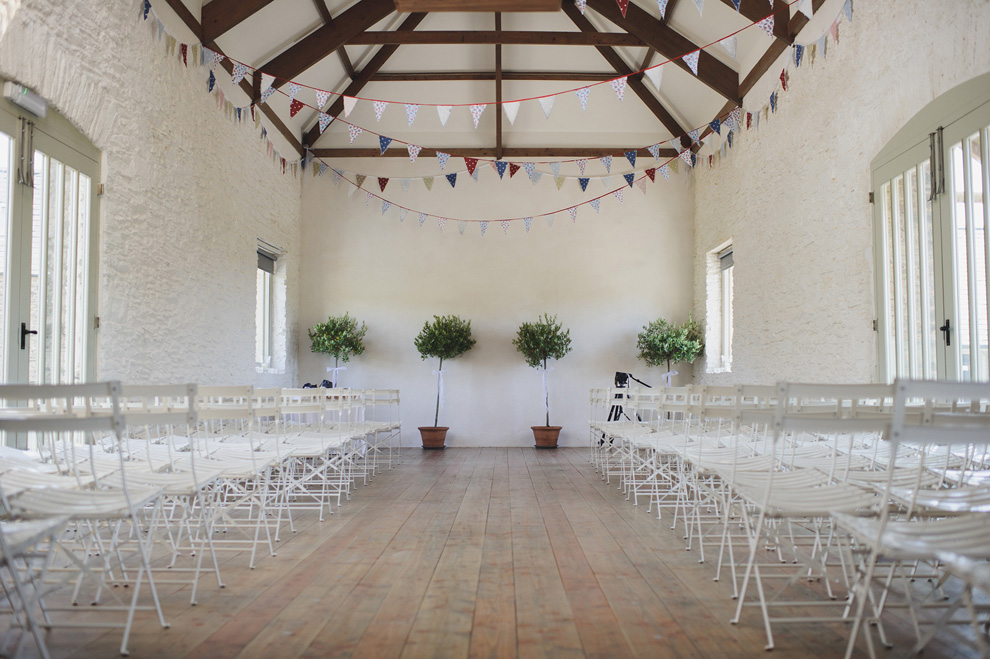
(719, 370)
(274, 371)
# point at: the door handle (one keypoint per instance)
(945, 330)
(24, 332)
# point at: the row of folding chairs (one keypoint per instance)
(144, 486)
(821, 503)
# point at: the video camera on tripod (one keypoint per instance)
(615, 412)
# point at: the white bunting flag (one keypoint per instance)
(405, 182)
(546, 102)
(550, 218)
(402, 214)
(555, 168)
(606, 182)
(701, 5)
(443, 111)
(349, 103)
(641, 184)
(729, 43)
(461, 226)
(806, 8)
(655, 74)
(511, 110)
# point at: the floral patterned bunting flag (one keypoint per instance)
(572, 211)
(422, 218)
(379, 109)
(581, 165)
(596, 204)
(607, 161)
(411, 110)
(505, 226)
(413, 151)
(618, 194)
(664, 172)
(528, 221)
(325, 120)
(240, 71)
(386, 204)
(654, 150)
(691, 59)
(321, 98)
(354, 131)
(476, 111)
(484, 227)
(442, 158)
(582, 95)
(767, 25)
(619, 87)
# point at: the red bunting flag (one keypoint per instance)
(749, 120)
(184, 49)
(652, 173)
(783, 79)
(382, 182)
(294, 107)
(513, 168)
(471, 164)
(623, 6)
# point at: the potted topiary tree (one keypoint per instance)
(446, 337)
(339, 337)
(662, 343)
(539, 342)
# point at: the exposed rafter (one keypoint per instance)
(795, 25)
(325, 40)
(321, 6)
(756, 10)
(524, 38)
(635, 83)
(362, 78)
(574, 76)
(218, 16)
(498, 88)
(670, 44)
(507, 152)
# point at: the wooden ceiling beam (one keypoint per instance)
(520, 38)
(325, 40)
(246, 85)
(219, 16)
(365, 76)
(775, 50)
(345, 61)
(485, 152)
(498, 89)
(670, 44)
(574, 76)
(756, 10)
(635, 83)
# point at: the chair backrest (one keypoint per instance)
(941, 413)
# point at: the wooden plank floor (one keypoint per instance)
(471, 553)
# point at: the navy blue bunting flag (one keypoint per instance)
(584, 183)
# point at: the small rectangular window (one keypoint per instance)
(263, 311)
(726, 264)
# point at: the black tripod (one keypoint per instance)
(615, 413)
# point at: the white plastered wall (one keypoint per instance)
(188, 193)
(793, 194)
(604, 276)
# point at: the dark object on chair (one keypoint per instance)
(615, 412)
(309, 385)
(327, 384)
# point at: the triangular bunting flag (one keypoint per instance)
(536, 177)
(806, 8)
(500, 166)
(266, 86)
(367, 196)
(461, 226)
(735, 116)
(655, 74)
(773, 102)
(559, 180)
(513, 168)
(211, 83)
(550, 218)
(530, 168)
(383, 143)
(623, 6)
(662, 6)
(349, 103)
(630, 178)
(596, 204)
(700, 4)
(452, 179)
(572, 211)
(382, 182)
(767, 25)
(687, 156)
(528, 221)
(654, 150)
(471, 164)
(413, 151)
(505, 226)
(847, 9)
(555, 168)
(607, 161)
(386, 205)
(606, 182)
(442, 158)
(729, 43)
(618, 194)
(546, 102)
(631, 157)
(411, 110)
(422, 218)
(405, 184)
(359, 178)
(402, 214)
(474, 175)
(641, 184)
(652, 173)
(619, 87)
(583, 182)
(582, 95)
(215, 57)
(691, 59)
(783, 79)
(443, 111)
(834, 30)
(351, 189)
(336, 176)
(581, 4)
(694, 135)
(379, 109)
(428, 182)
(716, 126)
(325, 120)
(294, 89)
(736, 4)
(798, 55)
(321, 98)
(240, 71)
(354, 131)
(581, 165)
(441, 222)
(476, 111)
(664, 172)
(323, 168)
(484, 227)
(511, 110)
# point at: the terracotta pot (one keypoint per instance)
(433, 436)
(546, 436)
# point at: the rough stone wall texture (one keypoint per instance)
(605, 276)
(793, 195)
(188, 193)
